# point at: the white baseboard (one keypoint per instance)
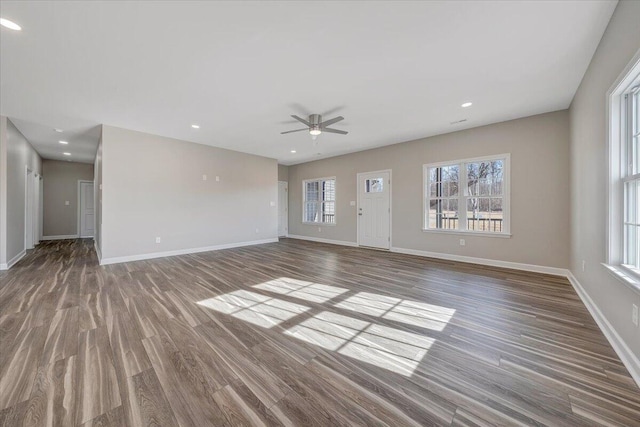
(321, 240)
(116, 260)
(62, 237)
(483, 261)
(13, 261)
(630, 361)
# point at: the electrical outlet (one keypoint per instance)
(584, 265)
(217, 179)
(634, 314)
(204, 177)
(319, 229)
(272, 204)
(257, 230)
(157, 240)
(66, 203)
(462, 242)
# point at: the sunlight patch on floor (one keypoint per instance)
(415, 313)
(254, 308)
(313, 292)
(383, 346)
(380, 345)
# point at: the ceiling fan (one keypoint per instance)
(316, 126)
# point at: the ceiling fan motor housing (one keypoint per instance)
(314, 121)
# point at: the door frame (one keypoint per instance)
(28, 213)
(78, 226)
(286, 188)
(358, 183)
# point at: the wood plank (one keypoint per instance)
(96, 384)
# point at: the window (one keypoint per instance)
(468, 196)
(623, 233)
(319, 198)
(631, 180)
(623, 255)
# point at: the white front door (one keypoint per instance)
(374, 209)
(86, 209)
(283, 208)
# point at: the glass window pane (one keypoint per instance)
(311, 212)
(631, 205)
(329, 212)
(433, 174)
(484, 187)
(435, 189)
(312, 190)
(375, 185)
(329, 189)
(450, 214)
(472, 212)
(631, 244)
(497, 215)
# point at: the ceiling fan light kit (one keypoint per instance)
(315, 125)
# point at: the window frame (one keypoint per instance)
(335, 203)
(463, 196)
(619, 139)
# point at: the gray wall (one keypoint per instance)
(19, 154)
(589, 166)
(60, 185)
(97, 192)
(152, 186)
(283, 173)
(539, 148)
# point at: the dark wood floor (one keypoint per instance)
(298, 333)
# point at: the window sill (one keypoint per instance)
(319, 224)
(468, 233)
(624, 275)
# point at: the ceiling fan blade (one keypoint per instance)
(341, 132)
(331, 121)
(301, 120)
(291, 131)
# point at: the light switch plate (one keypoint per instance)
(352, 203)
(204, 177)
(217, 179)
(272, 204)
(66, 203)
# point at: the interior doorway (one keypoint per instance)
(86, 215)
(374, 209)
(283, 208)
(28, 209)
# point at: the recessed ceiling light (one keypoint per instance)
(467, 104)
(67, 154)
(10, 25)
(58, 130)
(293, 151)
(63, 142)
(195, 126)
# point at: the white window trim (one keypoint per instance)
(506, 222)
(615, 212)
(335, 201)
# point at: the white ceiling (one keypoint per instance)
(396, 71)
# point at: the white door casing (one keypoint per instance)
(374, 209)
(28, 209)
(283, 208)
(85, 209)
(35, 220)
